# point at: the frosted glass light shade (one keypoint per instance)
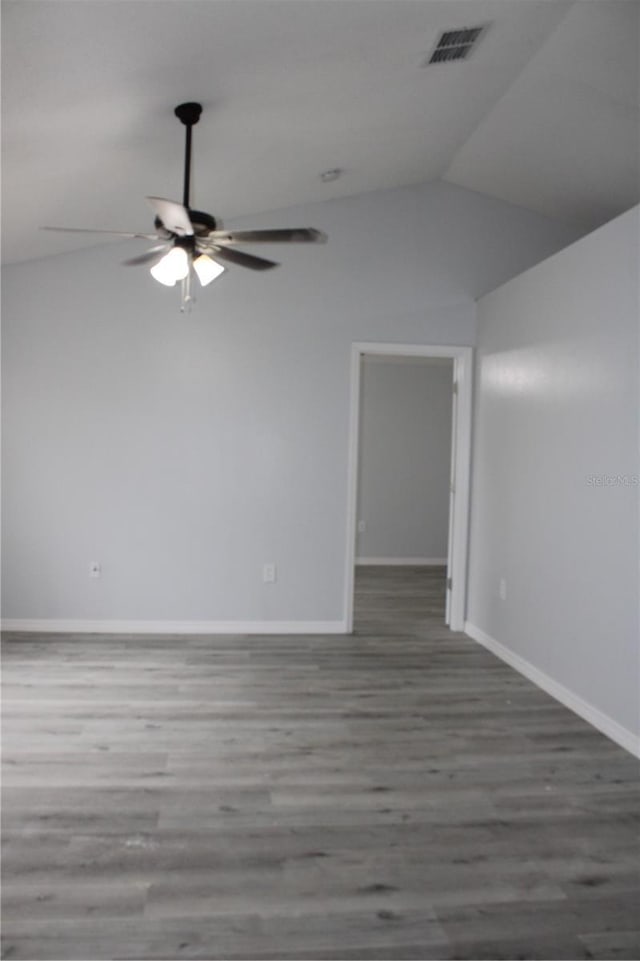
(173, 266)
(206, 269)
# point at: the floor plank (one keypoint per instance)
(395, 794)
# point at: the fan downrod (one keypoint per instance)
(189, 114)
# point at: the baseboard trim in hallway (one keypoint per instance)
(59, 626)
(401, 561)
(598, 719)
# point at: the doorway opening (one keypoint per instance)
(457, 363)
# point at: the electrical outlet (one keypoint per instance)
(502, 590)
(362, 526)
(269, 573)
(95, 569)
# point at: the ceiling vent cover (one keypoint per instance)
(455, 44)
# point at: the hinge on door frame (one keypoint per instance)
(449, 583)
(455, 387)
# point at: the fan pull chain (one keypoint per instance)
(186, 297)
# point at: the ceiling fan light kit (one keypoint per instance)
(172, 267)
(192, 243)
(207, 269)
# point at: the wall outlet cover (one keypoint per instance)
(269, 573)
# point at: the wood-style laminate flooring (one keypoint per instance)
(399, 793)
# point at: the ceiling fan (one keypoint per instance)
(191, 242)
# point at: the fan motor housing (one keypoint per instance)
(202, 222)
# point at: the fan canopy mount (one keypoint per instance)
(188, 113)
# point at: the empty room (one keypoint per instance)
(320, 479)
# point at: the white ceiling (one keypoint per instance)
(544, 114)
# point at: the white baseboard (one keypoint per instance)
(605, 724)
(44, 626)
(402, 561)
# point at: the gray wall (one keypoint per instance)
(405, 455)
(555, 477)
(184, 452)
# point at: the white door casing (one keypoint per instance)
(460, 469)
(452, 490)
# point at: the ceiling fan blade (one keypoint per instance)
(240, 258)
(292, 235)
(154, 254)
(173, 215)
(91, 230)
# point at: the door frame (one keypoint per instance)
(461, 447)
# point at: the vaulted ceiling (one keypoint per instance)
(544, 113)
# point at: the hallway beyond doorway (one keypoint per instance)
(407, 599)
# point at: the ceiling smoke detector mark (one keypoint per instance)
(455, 45)
(327, 176)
